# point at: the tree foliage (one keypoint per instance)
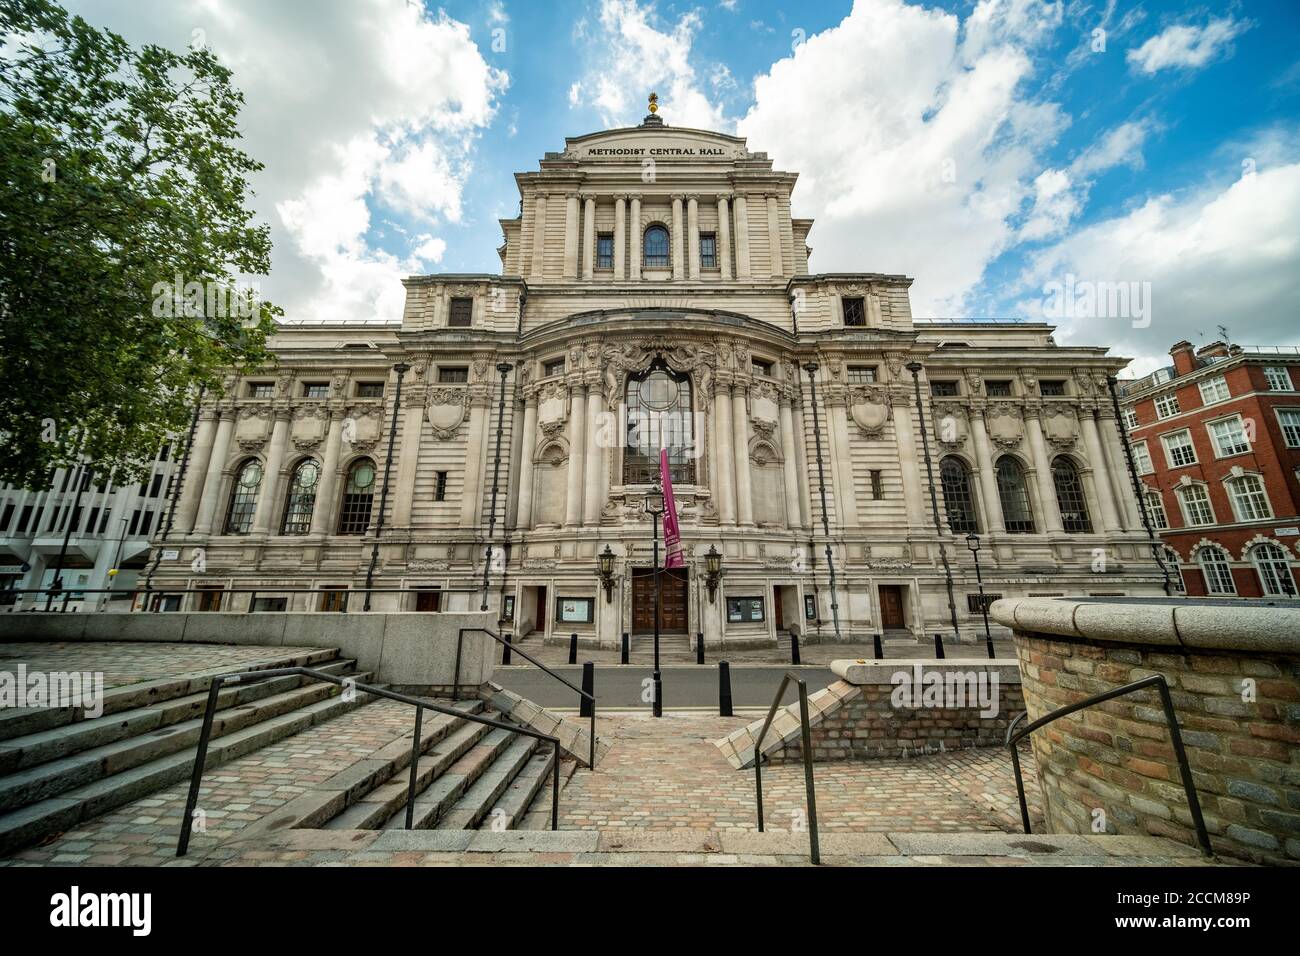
(126, 244)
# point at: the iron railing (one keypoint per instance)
(205, 736)
(156, 595)
(807, 760)
(1158, 682)
(590, 699)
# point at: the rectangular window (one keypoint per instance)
(462, 313)
(315, 389)
(6, 518)
(855, 311)
(745, 610)
(973, 602)
(1289, 419)
(1229, 437)
(708, 251)
(335, 599)
(553, 367)
(508, 608)
(440, 487)
(762, 368)
(1179, 449)
(1248, 498)
(1214, 390)
(877, 485)
(809, 608)
(605, 250)
(1156, 510)
(1166, 405)
(1051, 389)
(574, 610)
(1196, 505)
(155, 486)
(862, 374)
(1130, 418)
(370, 389)
(943, 389)
(1000, 388)
(453, 375)
(261, 390)
(1278, 378)
(270, 604)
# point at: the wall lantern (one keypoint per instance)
(605, 563)
(713, 565)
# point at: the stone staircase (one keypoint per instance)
(59, 767)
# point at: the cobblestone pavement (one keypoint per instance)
(135, 662)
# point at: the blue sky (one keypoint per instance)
(986, 149)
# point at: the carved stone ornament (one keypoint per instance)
(445, 410)
(1005, 426)
(631, 357)
(869, 410)
(425, 566)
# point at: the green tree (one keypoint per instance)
(126, 247)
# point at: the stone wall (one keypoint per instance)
(1234, 677)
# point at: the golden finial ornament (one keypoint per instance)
(654, 102)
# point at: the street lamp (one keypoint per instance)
(973, 543)
(401, 368)
(713, 567)
(605, 566)
(654, 507)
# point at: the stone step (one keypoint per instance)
(448, 787)
(48, 745)
(478, 799)
(20, 722)
(31, 823)
(538, 816)
(510, 808)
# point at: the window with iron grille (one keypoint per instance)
(1278, 378)
(998, 389)
(453, 375)
(370, 389)
(604, 250)
(943, 389)
(957, 497)
(440, 487)
(862, 374)
(261, 390)
(659, 415)
(855, 310)
(1017, 515)
(877, 485)
(315, 390)
(1274, 569)
(1248, 498)
(977, 605)
(358, 496)
(301, 498)
(1217, 572)
(243, 497)
(762, 368)
(708, 251)
(1070, 498)
(1051, 389)
(1179, 449)
(1214, 390)
(1156, 510)
(553, 367)
(1166, 405)
(655, 247)
(1196, 505)
(462, 313)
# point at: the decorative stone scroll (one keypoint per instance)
(445, 410)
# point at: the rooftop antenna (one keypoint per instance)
(1223, 333)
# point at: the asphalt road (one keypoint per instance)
(695, 686)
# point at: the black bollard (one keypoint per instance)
(699, 647)
(573, 648)
(794, 648)
(505, 650)
(724, 689)
(588, 687)
(880, 651)
(938, 647)
(623, 660)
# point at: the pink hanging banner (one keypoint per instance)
(672, 536)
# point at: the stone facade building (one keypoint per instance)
(655, 290)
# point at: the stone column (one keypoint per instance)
(593, 493)
(525, 520)
(1042, 472)
(1117, 468)
(774, 236)
(194, 472)
(1097, 461)
(907, 460)
(212, 479)
(571, 236)
(801, 457)
(725, 486)
(742, 237)
(577, 455)
(412, 428)
(724, 238)
(846, 500)
(679, 269)
(791, 471)
(539, 233)
(988, 476)
(634, 243)
(693, 235)
(588, 238)
(740, 444)
(620, 234)
(322, 515)
(471, 505)
(270, 490)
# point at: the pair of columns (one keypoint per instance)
(588, 466)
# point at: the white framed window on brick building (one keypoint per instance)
(1229, 437)
(1142, 458)
(1217, 572)
(1278, 378)
(1249, 500)
(1179, 450)
(1195, 502)
(1167, 405)
(1130, 418)
(1214, 390)
(1156, 510)
(1289, 419)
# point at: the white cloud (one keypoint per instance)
(1185, 46)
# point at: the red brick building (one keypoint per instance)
(1216, 443)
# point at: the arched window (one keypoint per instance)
(301, 500)
(1069, 497)
(1174, 564)
(655, 250)
(659, 416)
(1017, 514)
(1214, 567)
(1274, 569)
(957, 497)
(1248, 498)
(243, 497)
(358, 494)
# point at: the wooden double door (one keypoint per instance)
(673, 618)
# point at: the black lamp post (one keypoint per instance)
(401, 368)
(713, 570)
(654, 507)
(504, 369)
(973, 542)
(70, 508)
(605, 567)
(811, 369)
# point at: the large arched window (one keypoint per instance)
(1017, 515)
(243, 497)
(1215, 569)
(358, 495)
(659, 416)
(301, 499)
(1069, 497)
(957, 497)
(1274, 569)
(655, 250)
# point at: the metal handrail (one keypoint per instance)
(589, 698)
(1157, 681)
(807, 760)
(205, 735)
(222, 591)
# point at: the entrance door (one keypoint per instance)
(540, 626)
(891, 606)
(778, 607)
(672, 601)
